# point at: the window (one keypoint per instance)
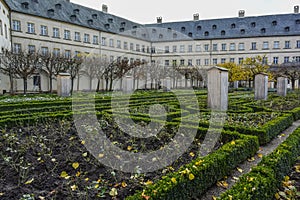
(67, 35)
(143, 48)
(45, 51)
(233, 25)
(153, 30)
(44, 30)
(274, 23)
(56, 32)
(206, 33)
(215, 61)
(265, 60)
(206, 47)
(131, 46)
(95, 39)
(215, 47)
(103, 41)
(198, 48)
(241, 46)
(275, 60)
(298, 44)
(223, 33)
(111, 42)
(182, 29)
(125, 45)
(182, 50)
(241, 60)
(232, 60)
(16, 25)
(86, 38)
(30, 28)
(56, 52)
(190, 34)
(31, 49)
(174, 63)
(287, 29)
(67, 54)
(167, 49)
(153, 50)
(182, 62)
(223, 47)
(253, 46)
(174, 49)
(190, 48)
(232, 47)
(190, 62)
(5, 31)
(214, 27)
(297, 21)
(119, 44)
(253, 24)
(242, 31)
(161, 36)
(276, 45)
(263, 30)
(287, 45)
(198, 62)
(199, 28)
(1, 29)
(296, 58)
(223, 60)
(174, 35)
(77, 36)
(16, 48)
(77, 53)
(286, 59)
(206, 62)
(137, 47)
(167, 62)
(265, 45)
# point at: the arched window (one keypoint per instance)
(233, 25)
(223, 33)
(206, 33)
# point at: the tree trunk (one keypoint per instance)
(72, 85)
(293, 83)
(98, 85)
(11, 80)
(90, 83)
(25, 85)
(50, 84)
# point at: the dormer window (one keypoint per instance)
(50, 12)
(58, 6)
(233, 25)
(243, 31)
(274, 23)
(133, 32)
(223, 33)
(206, 33)
(263, 30)
(169, 29)
(174, 35)
(153, 30)
(76, 11)
(287, 29)
(161, 36)
(190, 34)
(107, 26)
(94, 16)
(134, 27)
(73, 18)
(25, 5)
(199, 28)
(253, 24)
(90, 22)
(123, 24)
(122, 29)
(214, 27)
(297, 21)
(182, 29)
(110, 20)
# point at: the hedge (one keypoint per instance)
(195, 178)
(263, 181)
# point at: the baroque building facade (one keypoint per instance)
(62, 27)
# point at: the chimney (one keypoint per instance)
(241, 13)
(196, 17)
(296, 9)
(159, 20)
(104, 8)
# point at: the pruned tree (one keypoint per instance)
(73, 67)
(7, 67)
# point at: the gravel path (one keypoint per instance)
(247, 165)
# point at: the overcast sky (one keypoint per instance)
(146, 11)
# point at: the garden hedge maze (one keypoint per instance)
(42, 156)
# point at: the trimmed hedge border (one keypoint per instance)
(195, 178)
(263, 181)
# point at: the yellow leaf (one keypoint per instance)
(75, 165)
(77, 174)
(73, 187)
(99, 180)
(233, 143)
(113, 192)
(230, 197)
(214, 198)
(191, 176)
(297, 168)
(192, 154)
(251, 159)
(286, 178)
(124, 184)
(84, 154)
(1, 194)
(96, 186)
(223, 184)
(260, 155)
(63, 174)
(173, 180)
(277, 196)
(129, 148)
(42, 198)
(199, 162)
(101, 155)
(149, 182)
(240, 170)
(87, 179)
(82, 142)
(29, 181)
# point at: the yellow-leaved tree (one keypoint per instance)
(235, 71)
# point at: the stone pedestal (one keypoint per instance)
(128, 85)
(282, 83)
(261, 87)
(217, 85)
(64, 85)
(236, 84)
(167, 84)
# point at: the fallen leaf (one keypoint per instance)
(124, 184)
(75, 165)
(101, 155)
(251, 159)
(64, 174)
(232, 143)
(73, 187)
(82, 142)
(173, 180)
(259, 155)
(214, 198)
(84, 154)
(129, 148)
(113, 192)
(29, 181)
(240, 170)
(148, 182)
(191, 176)
(192, 154)
(78, 174)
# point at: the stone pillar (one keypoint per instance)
(236, 84)
(167, 84)
(128, 84)
(217, 85)
(282, 83)
(64, 85)
(261, 86)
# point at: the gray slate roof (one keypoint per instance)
(258, 26)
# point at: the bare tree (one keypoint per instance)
(73, 67)
(7, 67)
